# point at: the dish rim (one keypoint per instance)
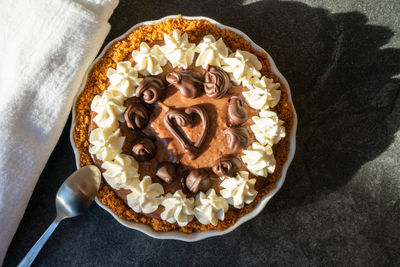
(196, 236)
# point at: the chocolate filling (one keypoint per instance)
(171, 157)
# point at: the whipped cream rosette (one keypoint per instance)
(178, 208)
(178, 50)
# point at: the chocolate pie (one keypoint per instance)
(187, 124)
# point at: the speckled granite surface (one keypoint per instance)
(340, 204)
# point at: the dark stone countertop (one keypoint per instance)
(340, 204)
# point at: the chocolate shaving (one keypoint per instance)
(144, 149)
(186, 82)
(151, 89)
(184, 119)
(227, 165)
(237, 138)
(217, 82)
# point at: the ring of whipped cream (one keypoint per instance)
(121, 170)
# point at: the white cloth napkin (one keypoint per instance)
(45, 48)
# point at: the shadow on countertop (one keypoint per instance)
(340, 80)
(347, 103)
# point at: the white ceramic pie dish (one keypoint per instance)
(146, 229)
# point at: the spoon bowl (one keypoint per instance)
(77, 192)
(73, 197)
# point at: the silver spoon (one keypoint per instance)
(74, 197)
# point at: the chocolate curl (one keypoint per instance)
(186, 82)
(217, 82)
(237, 138)
(144, 149)
(198, 179)
(227, 165)
(237, 114)
(136, 116)
(166, 171)
(151, 89)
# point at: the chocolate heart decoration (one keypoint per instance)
(184, 119)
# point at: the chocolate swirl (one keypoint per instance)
(198, 179)
(184, 119)
(136, 116)
(144, 149)
(227, 165)
(166, 171)
(152, 90)
(217, 82)
(237, 138)
(186, 82)
(237, 114)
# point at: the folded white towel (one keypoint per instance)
(45, 48)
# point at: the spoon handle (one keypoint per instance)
(34, 251)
